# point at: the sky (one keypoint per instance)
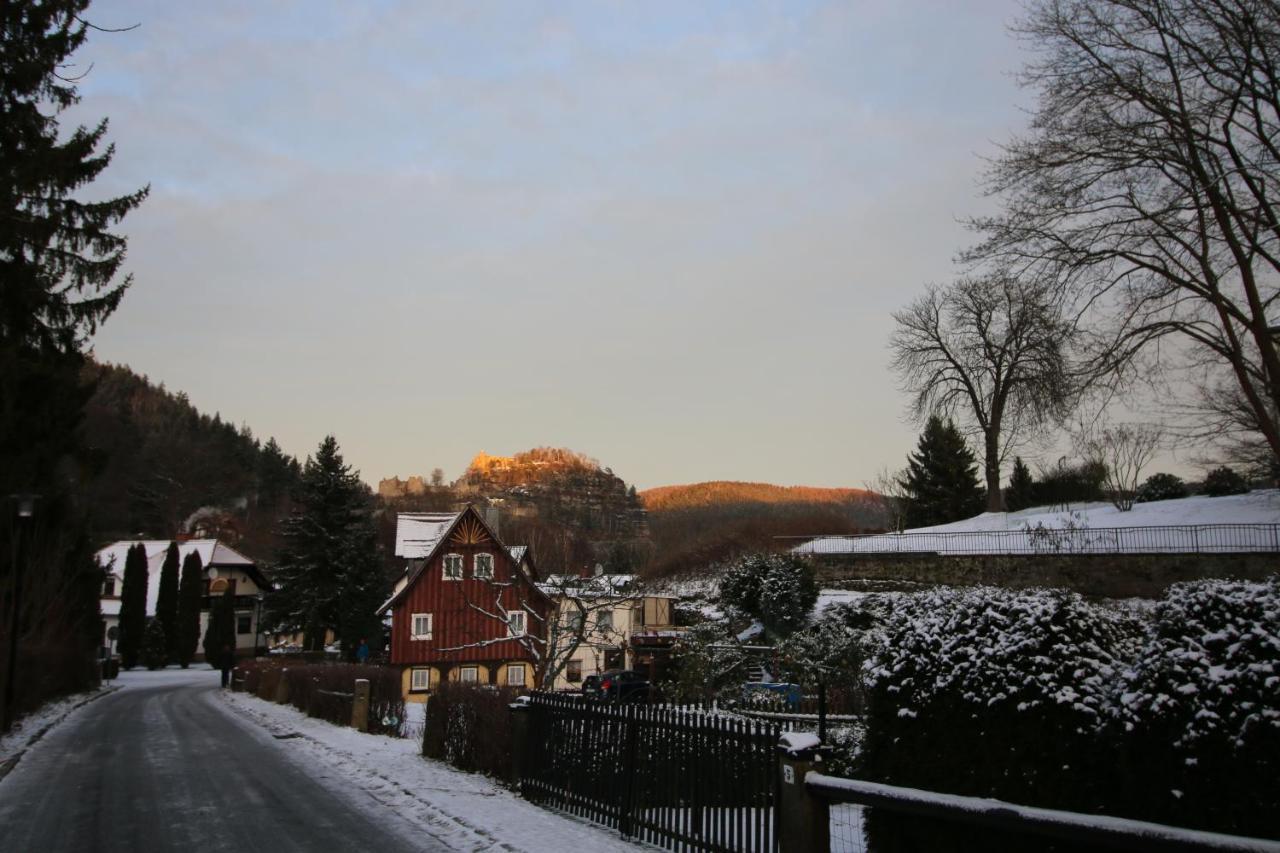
(666, 235)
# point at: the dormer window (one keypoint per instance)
(484, 566)
(453, 567)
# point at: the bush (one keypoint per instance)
(1202, 709)
(469, 727)
(1224, 481)
(777, 589)
(314, 689)
(992, 693)
(155, 645)
(1161, 487)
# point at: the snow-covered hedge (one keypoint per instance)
(777, 589)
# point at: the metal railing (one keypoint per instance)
(1167, 539)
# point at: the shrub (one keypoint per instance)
(777, 589)
(469, 727)
(155, 645)
(325, 690)
(1224, 481)
(1161, 487)
(992, 693)
(1202, 708)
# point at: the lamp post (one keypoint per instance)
(257, 623)
(26, 510)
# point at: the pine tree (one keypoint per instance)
(328, 574)
(1018, 495)
(190, 590)
(167, 601)
(133, 606)
(221, 633)
(941, 479)
(155, 645)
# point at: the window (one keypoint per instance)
(453, 567)
(419, 679)
(515, 675)
(420, 627)
(573, 671)
(515, 621)
(484, 566)
(244, 623)
(604, 620)
(573, 620)
(469, 674)
(109, 587)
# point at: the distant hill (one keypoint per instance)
(697, 525)
(733, 492)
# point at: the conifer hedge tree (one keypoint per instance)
(167, 601)
(133, 606)
(941, 480)
(1019, 495)
(155, 645)
(221, 632)
(190, 591)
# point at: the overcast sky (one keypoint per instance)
(668, 235)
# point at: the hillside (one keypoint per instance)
(734, 492)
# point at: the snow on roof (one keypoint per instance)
(517, 552)
(596, 584)
(1081, 526)
(212, 554)
(418, 532)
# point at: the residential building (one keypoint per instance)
(466, 608)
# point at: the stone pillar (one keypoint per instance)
(803, 819)
(282, 687)
(360, 706)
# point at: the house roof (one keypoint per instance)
(213, 554)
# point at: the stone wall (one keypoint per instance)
(1093, 575)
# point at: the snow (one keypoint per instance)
(465, 811)
(418, 532)
(1087, 528)
(212, 553)
(794, 742)
(32, 727)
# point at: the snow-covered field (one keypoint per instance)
(1181, 525)
(466, 811)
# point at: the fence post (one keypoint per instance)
(803, 818)
(282, 687)
(630, 713)
(360, 706)
(519, 739)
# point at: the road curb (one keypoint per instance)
(6, 766)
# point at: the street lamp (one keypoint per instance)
(257, 623)
(25, 506)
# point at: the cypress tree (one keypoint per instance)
(155, 645)
(133, 606)
(941, 479)
(190, 590)
(1018, 495)
(167, 602)
(221, 632)
(328, 573)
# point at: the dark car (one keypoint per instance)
(618, 685)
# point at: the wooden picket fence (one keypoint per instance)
(679, 778)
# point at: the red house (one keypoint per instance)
(467, 607)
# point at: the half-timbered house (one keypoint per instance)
(467, 607)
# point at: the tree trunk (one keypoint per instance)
(991, 467)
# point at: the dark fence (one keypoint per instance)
(1168, 539)
(681, 779)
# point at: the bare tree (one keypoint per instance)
(1124, 449)
(1147, 183)
(889, 499)
(991, 351)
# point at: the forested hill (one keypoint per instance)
(732, 492)
(163, 468)
(697, 525)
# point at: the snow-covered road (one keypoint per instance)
(170, 762)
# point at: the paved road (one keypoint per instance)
(162, 765)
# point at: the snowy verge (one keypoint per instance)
(463, 811)
(37, 724)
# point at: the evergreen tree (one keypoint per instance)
(328, 574)
(167, 601)
(1018, 495)
(941, 479)
(133, 606)
(155, 645)
(221, 633)
(190, 590)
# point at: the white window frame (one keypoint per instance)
(516, 622)
(414, 686)
(604, 620)
(473, 670)
(414, 633)
(512, 668)
(475, 567)
(444, 567)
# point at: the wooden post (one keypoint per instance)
(360, 706)
(282, 687)
(803, 819)
(519, 739)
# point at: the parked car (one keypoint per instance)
(618, 685)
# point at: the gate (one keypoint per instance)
(683, 779)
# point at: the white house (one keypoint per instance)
(226, 571)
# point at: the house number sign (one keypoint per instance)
(788, 774)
